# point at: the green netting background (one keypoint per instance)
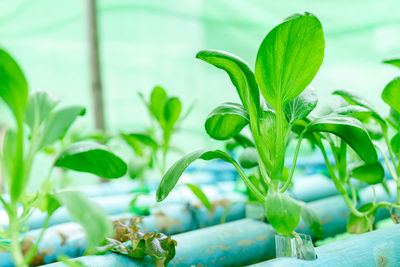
(150, 42)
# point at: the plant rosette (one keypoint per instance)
(273, 99)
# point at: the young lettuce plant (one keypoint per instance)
(287, 61)
(39, 124)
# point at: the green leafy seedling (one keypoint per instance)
(153, 146)
(39, 124)
(287, 61)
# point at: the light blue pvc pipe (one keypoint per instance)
(332, 211)
(69, 239)
(118, 204)
(305, 189)
(377, 248)
(231, 244)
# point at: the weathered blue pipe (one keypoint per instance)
(306, 189)
(231, 244)
(332, 211)
(118, 204)
(377, 248)
(69, 239)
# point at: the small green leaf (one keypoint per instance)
(301, 106)
(157, 100)
(226, 121)
(172, 176)
(248, 158)
(49, 204)
(283, 212)
(289, 58)
(395, 62)
(40, 104)
(358, 112)
(93, 158)
(368, 173)
(70, 263)
(391, 94)
(172, 110)
(350, 130)
(353, 99)
(13, 85)
(200, 195)
(58, 124)
(88, 214)
(240, 74)
(359, 225)
(135, 139)
(395, 143)
(311, 219)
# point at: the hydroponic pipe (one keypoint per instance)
(247, 241)
(306, 189)
(377, 248)
(231, 244)
(332, 211)
(69, 239)
(112, 205)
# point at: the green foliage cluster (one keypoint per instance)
(152, 146)
(40, 123)
(276, 105)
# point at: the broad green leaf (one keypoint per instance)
(13, 85)
(395, 62)
(394, 119)
(311, 219)
(301, 106)
(391, 94)
(200, 195)
(359, 225)
(358, 112)
(88, 214)
(173, 174)
(395, 143)
(368, 173)
(93, 158)
(240, 74)
(135, 139)
(9, 152)
(289, 58)
(172, 110)
(157, 100)
(350, 130)
(226, 121)
(58, 124)
(283, 212)
(40, 104)
(267, 125)
(248, 158)
(353, 99)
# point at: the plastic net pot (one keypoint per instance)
(300, 247)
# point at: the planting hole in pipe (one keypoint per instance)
(300, 247)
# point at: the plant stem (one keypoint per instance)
(296, 153)
(16, 250)
(32, 251)
(389, 147)
(279, 148)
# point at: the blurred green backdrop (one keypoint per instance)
(154, 42)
